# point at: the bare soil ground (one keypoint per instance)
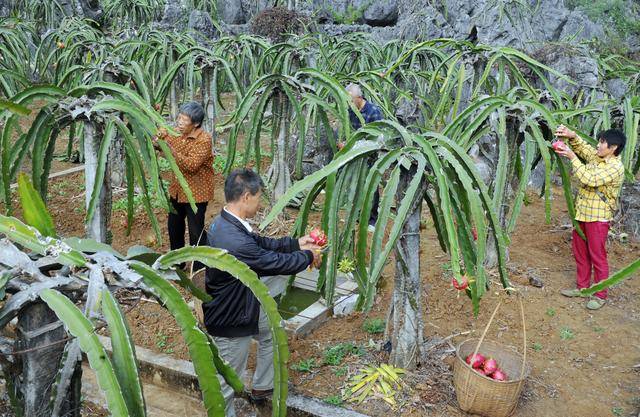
(583, 363)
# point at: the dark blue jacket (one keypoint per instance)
(234, 311)
(370, 113)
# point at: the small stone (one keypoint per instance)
(345, 305)
(535, 281)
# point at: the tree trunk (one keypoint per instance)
(38, 326)
(173, 99)
(98, 227)
(117, 152)
(279, 175)
(208, 93)
(117, 163)
(406, 315)
(514, 140)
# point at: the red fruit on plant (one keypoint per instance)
(60, 45)
(474, 232)
(157, 106)
(460, 286)
(318, 236)
(499, 375)
(490, 366)
(475, 361)
(558, 145)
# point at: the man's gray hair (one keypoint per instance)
(354, 90)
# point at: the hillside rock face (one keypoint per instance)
(370, 12)
(630, 209)
(524, 25)
(4, 8)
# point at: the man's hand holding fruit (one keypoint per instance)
(315, 241)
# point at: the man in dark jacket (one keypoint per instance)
(234, 316)
(370, 113)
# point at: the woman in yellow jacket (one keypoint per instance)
(600, 176)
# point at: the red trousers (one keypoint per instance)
(591, 254)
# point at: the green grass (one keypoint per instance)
(335, 354)
(163, 344)
(334, 399)
(566, 333)
(341, 371)
(447, 270)
(617, 411)
(121, 203)
(220, 161)
(551, 312)
(374, 326)
(304, 365)
(611, 13)
(537, 346)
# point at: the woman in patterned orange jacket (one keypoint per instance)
(192, 150)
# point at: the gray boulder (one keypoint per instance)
(573, 62)
(201, 26)
(630, 209)
(582, 69)
(381, 13)
(617, 87)
(384, 34)
(85, 8)
(426, 24)
(4, 8)
(174, 15)
(235, 30)
(231, 12)
(250, 8)
(578, 26)
(340, 30)
(330, 11)
(514, 24)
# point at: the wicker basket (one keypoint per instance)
(480, 394)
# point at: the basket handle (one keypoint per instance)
(524, 334)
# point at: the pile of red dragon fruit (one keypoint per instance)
(486, 366)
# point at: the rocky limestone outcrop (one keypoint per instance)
(4, 8)
(630, 210)
(178, 16)
(498, 23)
(369, 12)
